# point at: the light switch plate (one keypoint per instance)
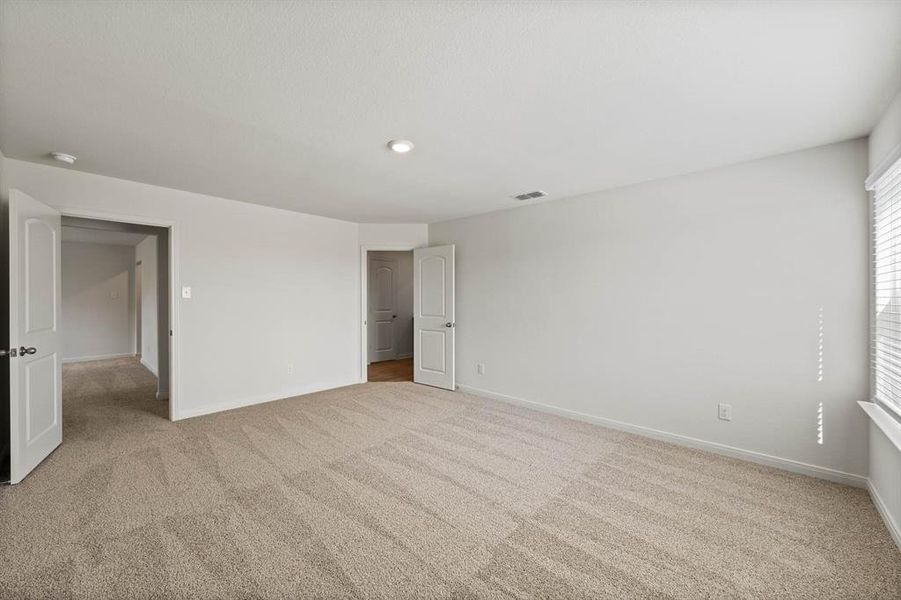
(186, 292)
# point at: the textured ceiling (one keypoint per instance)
(290, 104)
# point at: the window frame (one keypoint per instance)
(890, 168)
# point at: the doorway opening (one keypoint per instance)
(389, 318)
(99, 288)
(115, 317)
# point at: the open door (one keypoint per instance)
(35, 370)
(433, 316)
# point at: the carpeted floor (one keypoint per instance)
(392, 490)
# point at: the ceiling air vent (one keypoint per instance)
(530, 195)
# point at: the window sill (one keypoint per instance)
(886, 422)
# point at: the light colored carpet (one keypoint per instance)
(392, 490)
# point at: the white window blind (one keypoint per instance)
(886, 332)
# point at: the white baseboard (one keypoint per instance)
(262, 399)
(890, 524)
(683, 440)
(403, 356)
(162, 395)
(78, 359)
(149, 367)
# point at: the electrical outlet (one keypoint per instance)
(725, 412)
(480, 369)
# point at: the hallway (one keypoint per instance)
(99, 396)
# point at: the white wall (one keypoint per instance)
(145, 252)
(651, 304)
(884, 455)
(276, 294)
(404, 323)
(379, 234)
(97, 301)
(886, 136)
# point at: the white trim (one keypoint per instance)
(893, 528)
(364, 292)
(683, 440)
(262, 399)
(886, 422)
(883, 166)
(174, 339)
(79, 359)
(403, 356)
(151, 369)
(115, 217)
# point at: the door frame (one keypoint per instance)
(364, 298)
(174, 338)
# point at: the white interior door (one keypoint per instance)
(382, 309)
(433, 316)
(35, 373)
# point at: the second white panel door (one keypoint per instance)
(382, 309)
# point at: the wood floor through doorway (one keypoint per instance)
(392, 370)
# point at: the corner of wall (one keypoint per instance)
(886, 135)
(4, 190)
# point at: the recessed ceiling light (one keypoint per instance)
(63, 157)
(401, 146)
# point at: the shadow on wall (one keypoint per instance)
(98, 305)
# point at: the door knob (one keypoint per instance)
(12, 353)
(23, 350)
(448, 324)
(393, 316)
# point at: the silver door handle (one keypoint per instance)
(23, 350)
(448, 324)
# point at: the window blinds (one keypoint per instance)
(886, 328)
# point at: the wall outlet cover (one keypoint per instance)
(725, 412)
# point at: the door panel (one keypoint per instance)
(382, 309)
(433, 316)
(40, 261)
(40, 395)
(432, 271)
(34, 300)
(384, 336)
(432, 351)
(384, 286)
